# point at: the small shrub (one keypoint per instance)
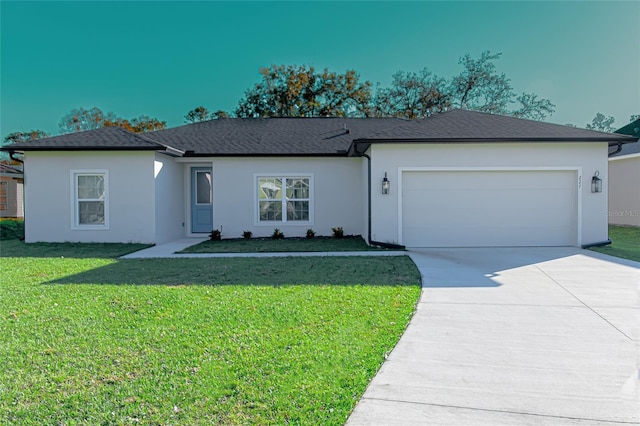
(277, 234)
(310, 233)
(11, 229)
(247, 235)
(215, 235)
(338, 232)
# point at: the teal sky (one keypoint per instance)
(165, 58)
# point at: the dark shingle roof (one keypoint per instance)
(272, 136)
(632, 129)
(105, 138)
(320, 136)
(464, 126)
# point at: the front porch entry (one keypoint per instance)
(201, 200)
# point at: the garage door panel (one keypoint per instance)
(489, 208)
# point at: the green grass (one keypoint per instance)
(15, 248)
(88, 339)
(625, 242)
(259, 245)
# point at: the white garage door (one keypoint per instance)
(489, 208)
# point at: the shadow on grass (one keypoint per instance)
(17, 248)
(269, 245)
(397, 270)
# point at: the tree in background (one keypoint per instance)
(300, 91)
(220, 114)
(81, 119)
(144, 123)
(602, 123)
(19, 137)
(533, 108)
(480, 87)
(412, 95)
(197, 115)
(201, 113)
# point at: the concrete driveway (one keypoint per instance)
(517, 336)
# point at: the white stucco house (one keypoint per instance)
(458, 178)
(624, 180)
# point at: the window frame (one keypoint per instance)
(75, 200)
(4, 194)
(283, 221)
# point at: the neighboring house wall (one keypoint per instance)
(11, 199)
(391, 158)
(49, 199)
(624, 190)
(336, 191)
(169, 198)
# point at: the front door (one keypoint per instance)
(201, 200)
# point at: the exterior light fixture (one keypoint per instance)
(385, 184)
(596, 182)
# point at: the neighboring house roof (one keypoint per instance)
(105, 138)
(321, 136)
(632, 129)
(6, 169)
(13, 172)
(272, 136)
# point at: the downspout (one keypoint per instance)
(11, 155)
(600, 244)
(369, 240)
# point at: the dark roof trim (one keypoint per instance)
(201, 155)
(612, 141)
(11, 148)
(355, 150)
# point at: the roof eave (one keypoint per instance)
(279, 154)
(78, 148)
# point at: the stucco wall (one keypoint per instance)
(48, 198)
(337, 194)
(587, 156)
(169, 199)
(624, 190)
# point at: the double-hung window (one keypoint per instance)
(90, 199)
(284, 199)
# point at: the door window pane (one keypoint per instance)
(203, 187)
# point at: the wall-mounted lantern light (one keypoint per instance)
(596, 182)
(385, 184)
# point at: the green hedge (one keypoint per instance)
(11, 229)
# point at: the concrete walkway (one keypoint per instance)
(514, 336)
(168, 250)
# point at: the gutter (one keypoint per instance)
(618, 149)
(600, 244)
(369, 240)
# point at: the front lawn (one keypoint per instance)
(89, 339)
(261, 245)
(625, 242)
